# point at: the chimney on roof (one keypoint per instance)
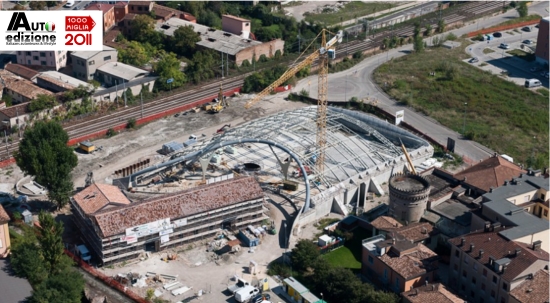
(518, 251)
(505, 182)
(462, 241)
(481, 253)
(491, 261)
(426, 282)
(496, 226)
(495, 155)
(433, 287)
(415, 291)
(393, 241)
(530, 276)
(487, 226)
(472, 246)
(536, 245)
(424, 230)
(521, 175)
(491, 189)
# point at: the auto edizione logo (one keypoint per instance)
(22, 32)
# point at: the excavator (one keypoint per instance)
(220, 105)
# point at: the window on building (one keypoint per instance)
(485, 272)
(63, 57)
(505, 286)
(91, 75)
(472, 294)
(542, 197)
(474, 280)
(546, 213)
(502, 300)
(35, 57)
(396, 282)
(1, 243)
(464, 274)
(42, 62)
(385, 273)
(28, 61)
(463, 287)
(106, 58)
(139, 8)
(371, 260)
(475, 266)
(456, 267)
(457, 253)
(42, 54)
(483, 286)
(495, 279)
(92, 62)
(492, 293)
(28, 53)
(481, 300)
(19, 53)
(526, 198)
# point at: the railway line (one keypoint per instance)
(95, 125)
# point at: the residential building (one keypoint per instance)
(22, 90)
(108, 14)
(418, 233)
(85, 63)
(491, 172)
(533, 289)
(4, 233)
(237, 26)
(116, 229)
(384, 225)
(160, 12)
(22, 71)
(15, 115)
(431, 293)
(398, 264)
(235, 47)
(297, 292)
(59, 82)
(121, 10)
(541, 52)
(486, 267)
(43, 59)
(117, 73)
(140, 7)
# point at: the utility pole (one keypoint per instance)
(124, 92)
(227, 64)
(222, 63)
(464, 125)
(141, 97)
(6, 139)
(116, 94)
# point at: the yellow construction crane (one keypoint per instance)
(322, 55)
(413, 170)
(220, 105)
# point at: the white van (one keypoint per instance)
(532, 83)
(69, 3)
(246, 293)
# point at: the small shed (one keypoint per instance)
(87, 146)
(325, 240)
(248, 239)
(27, 216)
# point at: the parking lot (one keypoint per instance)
(494, 56)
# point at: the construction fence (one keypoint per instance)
(502, 28)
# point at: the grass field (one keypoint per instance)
(505, 117)
(522, 55)
(520, 19)
(488, 51)
(349, 255)
(350, 11)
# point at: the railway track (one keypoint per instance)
(94, 125)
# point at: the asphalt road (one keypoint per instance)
(12, 289)
(79, 5)
(357, 82)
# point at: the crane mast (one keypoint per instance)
(322, 55)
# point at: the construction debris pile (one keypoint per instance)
(161, 283)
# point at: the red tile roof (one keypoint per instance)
(533, 289)
(121, 4)
(416, 231)
(432, 293)
(235, 18)
(96, 196)
(179, 205)
(496, 246)
(386, 223)
(21, 71)
(15, 110)
(491, 172)
(4, 218)
(414, 263)
(104, 7)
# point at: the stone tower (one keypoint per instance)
(408, 197)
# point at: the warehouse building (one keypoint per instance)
(236, 47)
(116, 229)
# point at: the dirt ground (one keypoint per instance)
(129, 147)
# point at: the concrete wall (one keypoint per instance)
(543, 236)
(110, 96)
(234, 26)
(50, 59)
(85, 69)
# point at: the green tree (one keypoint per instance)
(42, 102)
(50, 240)
(142, 29)
(37, 5)
(44, 154)
(440, 26)
(134, 53)
(26, 259)
(203, 66)
(184, 40)
(66, 286)
(131, 123)
(209, 18)
(304, 255)
(168, 67)
(428, 30)
(522, 9)
(52, 3)
(418, 44)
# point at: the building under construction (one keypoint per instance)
(280, 152)
(117, 229)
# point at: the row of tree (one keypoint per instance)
(337, 284)
(38, 256)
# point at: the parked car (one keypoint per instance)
(474, 60)
(535, 68)
(532, 83)
(261, 298)
(504, 46)
(497, 35)
(526, 29)
(527, 42)
(84, 253)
